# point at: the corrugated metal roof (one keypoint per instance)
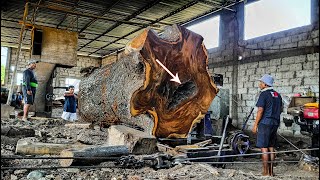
(99, 37)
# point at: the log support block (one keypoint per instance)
(138, 142)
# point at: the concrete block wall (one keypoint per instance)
(287, 82)
(61, 73)
(22, 62)
(74, 73)
(291, 57)
(300, 37)
(109, 60)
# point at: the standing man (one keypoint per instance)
(267, 121)
(29, 87)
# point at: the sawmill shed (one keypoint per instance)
(158, 83)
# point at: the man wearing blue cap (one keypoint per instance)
(29, 87)
(267, 121)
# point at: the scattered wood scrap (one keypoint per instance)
(80, 126)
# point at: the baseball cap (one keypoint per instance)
(267, 79)
(32, 61)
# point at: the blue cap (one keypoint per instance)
(267, 79)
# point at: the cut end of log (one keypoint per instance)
(137, 43)
(66, 162)
(175, 107)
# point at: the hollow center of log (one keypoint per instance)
(181, 93)
(139, 69)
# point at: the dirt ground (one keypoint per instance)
(52, 130)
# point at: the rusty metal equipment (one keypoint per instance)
(158, 161)
(239, 142)
(306, 115)
(229, 142)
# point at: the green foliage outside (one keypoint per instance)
(3, 73)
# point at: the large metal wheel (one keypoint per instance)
(239, 142)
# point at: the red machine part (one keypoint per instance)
(311, 113)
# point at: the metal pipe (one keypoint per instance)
(18, 53)
(252, 154)
(59, 9)
(198, 158)
(223, 135)
(292, 144)
(92, 167)
(248, 162)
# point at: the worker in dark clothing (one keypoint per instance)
(29, 87)
(267, 122)
(70, 105)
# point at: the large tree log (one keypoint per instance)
(91, 154)
(136, 90)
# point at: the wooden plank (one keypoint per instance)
(38, 148)
(80, 126)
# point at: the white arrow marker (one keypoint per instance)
(175, 78)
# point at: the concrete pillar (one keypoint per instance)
(315, 12)
(43, 73)
(229, 28)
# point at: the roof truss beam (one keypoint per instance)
(100, 14)
(126, 19)
(156, 21)
(66, 15)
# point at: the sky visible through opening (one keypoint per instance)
(269, 16)
(4, 51)
(209, 30)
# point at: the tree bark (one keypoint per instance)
(91, 154)
(136, 89)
